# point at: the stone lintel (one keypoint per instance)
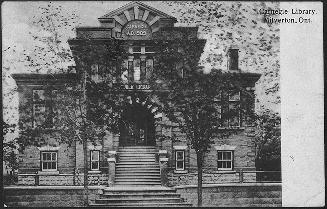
(111, 160)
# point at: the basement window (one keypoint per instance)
(180, 160)
(95, 156)
(225, 160)
(49, 161)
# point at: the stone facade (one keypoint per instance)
(235, 195)
(71, 159)
(232, 195)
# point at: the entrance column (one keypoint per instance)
(112, 168)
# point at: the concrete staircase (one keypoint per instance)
(137, 166)
(138, 196)
(138, 183)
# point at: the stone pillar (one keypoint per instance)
(112, 168)
(108, 142)
(163, 162)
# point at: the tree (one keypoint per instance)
(79, 107)
(9, 149)
(11, 60)
(267, 143)
(188, 96)
(68, 104)
(224, 24)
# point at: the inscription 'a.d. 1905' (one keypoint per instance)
(136, 29)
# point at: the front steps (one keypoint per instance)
(138, 182)
(129, 196)
(137, 166)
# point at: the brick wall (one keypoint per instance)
(235, 195)
(244, 154)
(30, 159)
(244, 158)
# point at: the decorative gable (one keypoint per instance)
(136, 21)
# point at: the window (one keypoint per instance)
(180, 160)
(43, 107)
(228, 108)
(136, 50)
(149, 49)
(49, 161)
(137, 70)
(234, 109)
(130, 71)
(225, 160)
(139, 65)
(95, 72)
(180, 69)
(149, 68)
(143, 69)
(95, 156)
(124, 75)
(118, 34)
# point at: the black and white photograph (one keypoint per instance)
(162, 104)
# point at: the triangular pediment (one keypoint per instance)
(136, 21)
(136, 6)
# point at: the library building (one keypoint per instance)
(135, 156)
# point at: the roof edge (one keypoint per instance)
(113, 12)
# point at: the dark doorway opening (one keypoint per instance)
(137, 126)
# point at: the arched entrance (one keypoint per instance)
(137, 126)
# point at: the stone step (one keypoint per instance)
(140, 195)
(137, 147)
(133, 160)
(137, 166)
(135, 154)
(134, 190)
(143, 205)
(139, 200)
(117, 180)
(121, 183)
(137, 163)
(136, 180)
(137, 150)
(137, 158)
(122, 176)
(137, 175)
(137, 171)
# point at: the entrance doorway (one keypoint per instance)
(137, 126)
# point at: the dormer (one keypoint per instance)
(136, 21)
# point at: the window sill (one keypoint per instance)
(48, 172)
(181, 171)
(226, 171)
(94, 172)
